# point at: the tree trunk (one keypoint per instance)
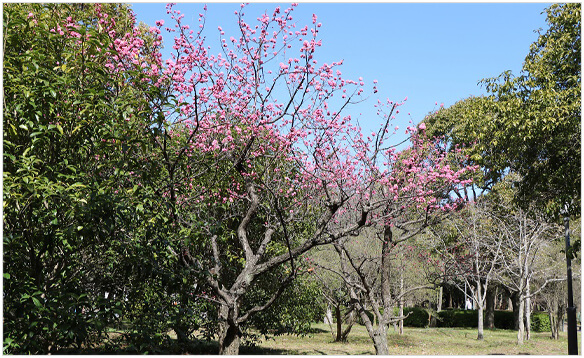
(490, 307)
(229, 333)
(480, 329)
(380, 341)
(554, 324)
(439, 303)
(480, 304)
(339, 324)
(528, 314)
(514, 301)
(401, 302)
(350, 322)
(521, 329)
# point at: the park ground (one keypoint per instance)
(414, 341)
(419, 341)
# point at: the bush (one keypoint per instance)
(504, 320)
(540, 322)
(418, 317)
(457, 318)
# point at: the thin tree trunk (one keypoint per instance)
(401, 302)
(350, 322)
(480, 304)
(339, 324)
(480, 335)
(515, 307)
(439, 303)
(490, 307)
(521, 329)
(554, 327)
(527, 313)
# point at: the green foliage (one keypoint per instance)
(418, 317)
(529, 124)
(540, 322)
(300, 305)
(69, 200)
(539, 112)
(469, 319)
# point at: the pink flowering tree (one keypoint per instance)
(413, 192)
(255, 161)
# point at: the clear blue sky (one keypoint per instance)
(429, 52)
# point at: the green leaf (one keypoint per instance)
(36, 302)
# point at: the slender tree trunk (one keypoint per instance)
(339, 324)
(401, 302)
(350, 322)
(528, 314)
(480, 305)
(229, 333)
(490, 307)
(521, 329)
(439, 303)
(514, 300)
(480, 335)
(554, 326)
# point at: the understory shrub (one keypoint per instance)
(469, 319)
(540, 322)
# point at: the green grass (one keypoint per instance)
(414, 341)
(418, 341)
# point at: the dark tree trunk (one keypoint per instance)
(229, 332)
(339, 324)
(514, 298)
(490, 307)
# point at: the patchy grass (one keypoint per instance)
(414, 341)
(417, 341)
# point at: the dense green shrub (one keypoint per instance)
(469, 318)
(418, 317)
(504, 320)
(457, 318)
(540, 322)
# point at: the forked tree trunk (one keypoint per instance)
(554, 324)
(229, 332)
(350, 321)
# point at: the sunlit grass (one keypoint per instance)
(418, 341)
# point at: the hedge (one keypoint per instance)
(423, 317)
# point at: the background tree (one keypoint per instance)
(471, 251)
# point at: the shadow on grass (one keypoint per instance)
(196, 347)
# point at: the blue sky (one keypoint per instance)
(429, 52)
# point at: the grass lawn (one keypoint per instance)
(416, 341)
